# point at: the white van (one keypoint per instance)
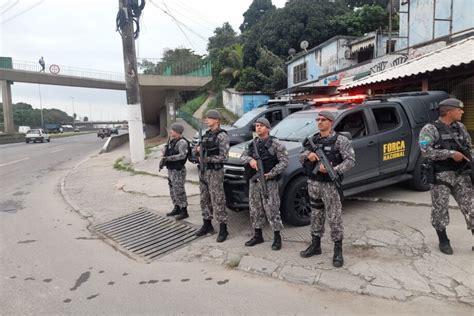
(23, 129)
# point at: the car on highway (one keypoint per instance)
(37, 135)
(104, 132)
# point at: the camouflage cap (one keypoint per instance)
(263, 121)
(178, 128)
(327, 115)
(213, 114)
(454, 103)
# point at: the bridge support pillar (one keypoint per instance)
(9, 126)
(169, 111)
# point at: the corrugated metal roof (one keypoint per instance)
(453, 55)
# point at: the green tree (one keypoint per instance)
(227, 66)
(256, 10)
(223, 37)
(363, 20)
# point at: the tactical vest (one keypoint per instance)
(328, 145)
(210, 143)
(446, 141)
(269, 160)
(172, 150)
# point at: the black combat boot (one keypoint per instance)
(182, 214)
(256, 239)
(174, 211)
(338, 260)
(444, 245)
(223, 233)
(313, 249)
(205, 228)
(276, 241)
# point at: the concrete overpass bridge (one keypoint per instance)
(158, 92)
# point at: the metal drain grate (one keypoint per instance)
(147, 234)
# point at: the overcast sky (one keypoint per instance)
(81, 34)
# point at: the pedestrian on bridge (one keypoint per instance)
(42, 64)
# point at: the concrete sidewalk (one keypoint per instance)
(390, 247)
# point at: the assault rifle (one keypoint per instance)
(202, 157)
(260, 173)
(323, 159)
(163, 160)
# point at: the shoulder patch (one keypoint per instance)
(425, 140)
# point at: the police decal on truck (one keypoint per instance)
(393, 150)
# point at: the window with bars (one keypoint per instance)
(299, 73)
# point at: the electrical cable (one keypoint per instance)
(177, 24)
(9, 7)
(22, 12)
(131, 9)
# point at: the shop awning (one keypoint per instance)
(450, 56)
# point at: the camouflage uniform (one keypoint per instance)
(259, 207)
(327, 191)
(212, 185)
(446, 182)
(177, 178)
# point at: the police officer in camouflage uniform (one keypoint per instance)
(274, 157)
(447, 144)
(215, 144)
(175, 155)
(340, 153)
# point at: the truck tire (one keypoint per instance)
(295, 206)
(418, 183)
(49, 140)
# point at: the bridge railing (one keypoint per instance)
(192, 68)
(199, 68)
(57, 69)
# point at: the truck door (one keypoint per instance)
(394, 138)
(365, 146)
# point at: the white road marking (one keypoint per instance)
(52, 152)
(9, 163)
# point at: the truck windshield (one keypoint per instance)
(296, 127)
(247, 117)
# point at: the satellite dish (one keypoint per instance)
(304, 45)
(291, 51)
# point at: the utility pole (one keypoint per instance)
(73, 114)
(137, 144)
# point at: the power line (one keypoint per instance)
(23, 12)
(199, 14)
(177, 24)
(184, 25)
(190, 17)
(7, 9)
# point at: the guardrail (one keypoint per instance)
(56, 69)
(147, 66)
(193, 68)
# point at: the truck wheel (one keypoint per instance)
(27, 141)
(49, 140)
(419, 182)
(296, 210)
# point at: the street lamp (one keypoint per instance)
(73, 114)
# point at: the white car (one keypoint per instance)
(37, 135)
